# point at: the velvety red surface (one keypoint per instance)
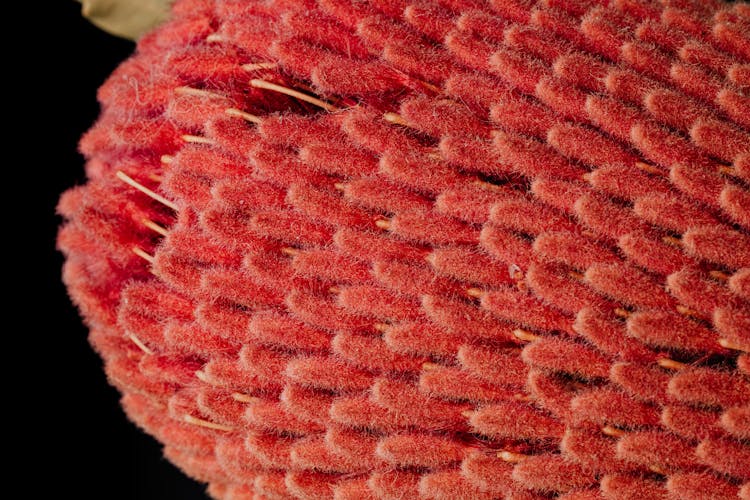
(514, 262)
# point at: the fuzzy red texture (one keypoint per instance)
(543, 249)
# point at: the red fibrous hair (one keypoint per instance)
(493, 249)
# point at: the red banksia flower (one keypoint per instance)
(444, 250)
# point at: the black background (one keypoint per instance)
(82, 444)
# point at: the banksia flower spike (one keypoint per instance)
(459, 249)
